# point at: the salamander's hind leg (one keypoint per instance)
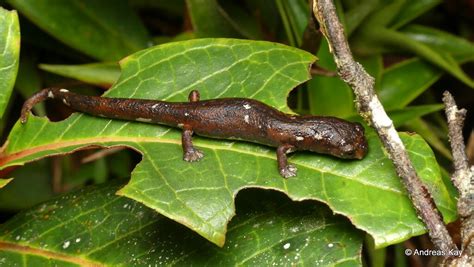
(286, 170)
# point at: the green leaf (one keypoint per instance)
(395, 90)
(329, 95)
(28, 80)
(386, 12)
(175, 8)
(35, 175)
(412, 10)
(242, 21)
(210, 20)
(101, 74)
(10, 53)
(407, 114)
(421, 127)
(441, 40)
(400, 116)
(200, 195)
(4, 182)
(95, 227)
(106, 30)
(357, 13)
(390, 38)
(294, 15)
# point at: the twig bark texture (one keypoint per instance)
(463, 179)
(372, 111)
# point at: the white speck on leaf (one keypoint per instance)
(66, 244)
(330, 245)
(17, 237)
(294, 229)
(78, 240)
(286, 246)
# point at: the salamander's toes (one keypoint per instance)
(193, 155)
(288, 171)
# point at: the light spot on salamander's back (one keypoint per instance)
(246, 119)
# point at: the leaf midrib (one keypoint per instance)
(7, 246)
(9, 160)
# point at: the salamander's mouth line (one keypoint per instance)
(106, 142)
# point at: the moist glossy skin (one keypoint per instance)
(226, 118)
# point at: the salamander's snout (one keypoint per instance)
(361, 149)
(361, 142)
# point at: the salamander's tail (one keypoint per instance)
(33, 100)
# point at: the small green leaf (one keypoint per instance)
(329, 95)
(28, 80)
(400, 116)
(106, 30)
(421, 127)
(405, 81)
(209, 19)
(10, 53)
(93, 226)
(241, 20)
(35, 175)
(412, 10)
(4, 182)
(101, 74)
(357, 13)
(294, 15)
(441, 40)
(175, 7)
(201, 195)
(441, 59)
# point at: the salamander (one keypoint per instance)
(225, 118)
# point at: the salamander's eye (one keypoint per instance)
(348, 151)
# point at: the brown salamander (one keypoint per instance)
(226, 118)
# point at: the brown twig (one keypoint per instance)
(463, 179)
(101, 154)
(371, 110)
(317, 70)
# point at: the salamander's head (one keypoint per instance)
(335, 137)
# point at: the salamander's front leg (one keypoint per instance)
(286, 170)
(190, 153)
